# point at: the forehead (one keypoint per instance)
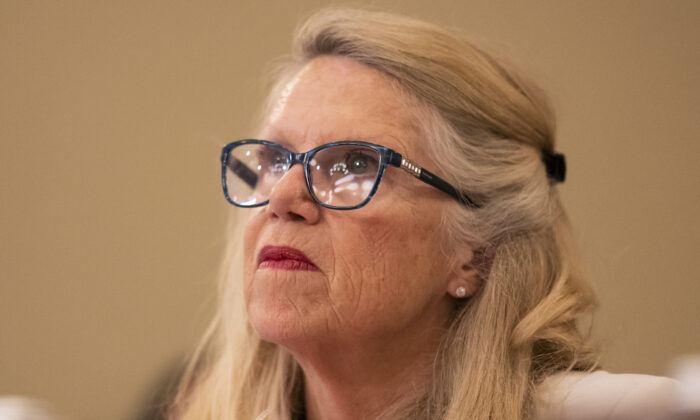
(336, 98)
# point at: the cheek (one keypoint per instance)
(387, 272)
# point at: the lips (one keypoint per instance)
(284, 258)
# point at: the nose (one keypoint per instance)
(290, 198)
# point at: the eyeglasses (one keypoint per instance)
(342, 175)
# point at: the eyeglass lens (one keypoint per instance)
(340, 176)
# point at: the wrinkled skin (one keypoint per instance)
(366, 325)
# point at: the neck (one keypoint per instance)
(352, 381)
(361, 389)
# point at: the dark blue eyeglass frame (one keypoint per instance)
(388, 157)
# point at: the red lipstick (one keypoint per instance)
(284, 258)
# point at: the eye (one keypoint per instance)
(359, 163)
(279, 164)
(272, 160)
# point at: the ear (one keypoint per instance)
(467, 273)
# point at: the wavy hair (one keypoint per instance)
(488, 127)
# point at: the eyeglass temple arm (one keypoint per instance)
(430, 178)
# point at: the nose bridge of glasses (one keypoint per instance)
(297, 158)
(293, 159)
(283, 182)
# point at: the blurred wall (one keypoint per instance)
(112, 115)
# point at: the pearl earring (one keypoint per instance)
(461, 291)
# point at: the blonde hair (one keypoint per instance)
(487, 127)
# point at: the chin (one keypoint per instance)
(278, 321)
(286, 307)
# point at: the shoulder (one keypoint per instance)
(603, 395)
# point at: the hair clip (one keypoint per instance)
(555, 165)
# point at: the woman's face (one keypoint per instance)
(377, 271)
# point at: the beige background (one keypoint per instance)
(112, 115)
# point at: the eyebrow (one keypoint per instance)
(278, 136)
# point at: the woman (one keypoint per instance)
(368, 293)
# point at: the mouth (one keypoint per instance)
(284, 258)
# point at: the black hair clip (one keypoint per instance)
(555, 165)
